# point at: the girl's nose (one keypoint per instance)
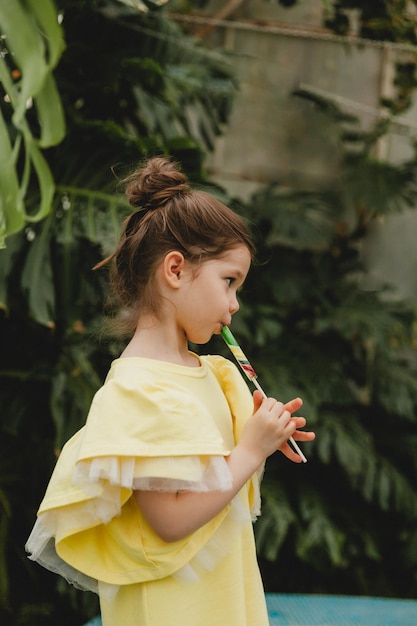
(234, 306)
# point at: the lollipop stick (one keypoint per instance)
(250, 372)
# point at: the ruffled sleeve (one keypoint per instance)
(134, 414)
(91, 531)
(142, 434)
(149, 431)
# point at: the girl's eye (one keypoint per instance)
(229, 281)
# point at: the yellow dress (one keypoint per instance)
(155, 426)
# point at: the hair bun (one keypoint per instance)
(155, 184)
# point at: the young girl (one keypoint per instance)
(151, 503)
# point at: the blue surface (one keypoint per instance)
(318, 610)
(94, 622)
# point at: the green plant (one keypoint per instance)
(130, 85)
(313, 328)
(28, 57)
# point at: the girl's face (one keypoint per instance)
(209, 294)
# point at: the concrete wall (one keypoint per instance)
(274, 136)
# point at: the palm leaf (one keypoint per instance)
(375, 477)
(11, 207)
(318, 533)
(197, 85)
(27, 47)
(358, 313)
(50, 114)
(298, 219)
(344, 437)
(37, 279)
(79, 215)
(92, 214)
(379, 188)
(395, 386)
(35, 47)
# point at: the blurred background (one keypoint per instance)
(302, 116)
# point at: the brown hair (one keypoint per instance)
(169, 216)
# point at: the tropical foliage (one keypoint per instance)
(129, 83)
(315, 327)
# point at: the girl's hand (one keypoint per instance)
(270, 427)
(286, 449)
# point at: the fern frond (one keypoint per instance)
(374, 476)
(380, 188)
(359, 314)
(299, 219)
(393, 491)
(317, 536)
(344, 438)
(395, 386)
(89, 213)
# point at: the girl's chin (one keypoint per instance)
(202, 339)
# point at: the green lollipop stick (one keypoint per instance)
(240, 357)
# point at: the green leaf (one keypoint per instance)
(45, 14)
(50, 114)
(395, 387)
(37, 278)
(11, 208)
(393, 491)
(351, 443)
(318, 533)
(35, 42)
(380, 188)
(26, 44)
(95, 215)
(45, 180)
(299, 219)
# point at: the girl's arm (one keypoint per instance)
(174, 516)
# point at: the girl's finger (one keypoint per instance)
(304, 435)
(293, 405)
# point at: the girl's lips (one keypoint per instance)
(219, 328)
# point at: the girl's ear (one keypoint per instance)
(173, 268)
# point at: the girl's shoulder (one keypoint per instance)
(224, 368)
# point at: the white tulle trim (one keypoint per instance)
(256, 485)
(41, 548)
(149, 474)
(103, 478)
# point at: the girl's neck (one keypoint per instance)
(153, 340)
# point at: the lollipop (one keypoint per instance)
(240, 357)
